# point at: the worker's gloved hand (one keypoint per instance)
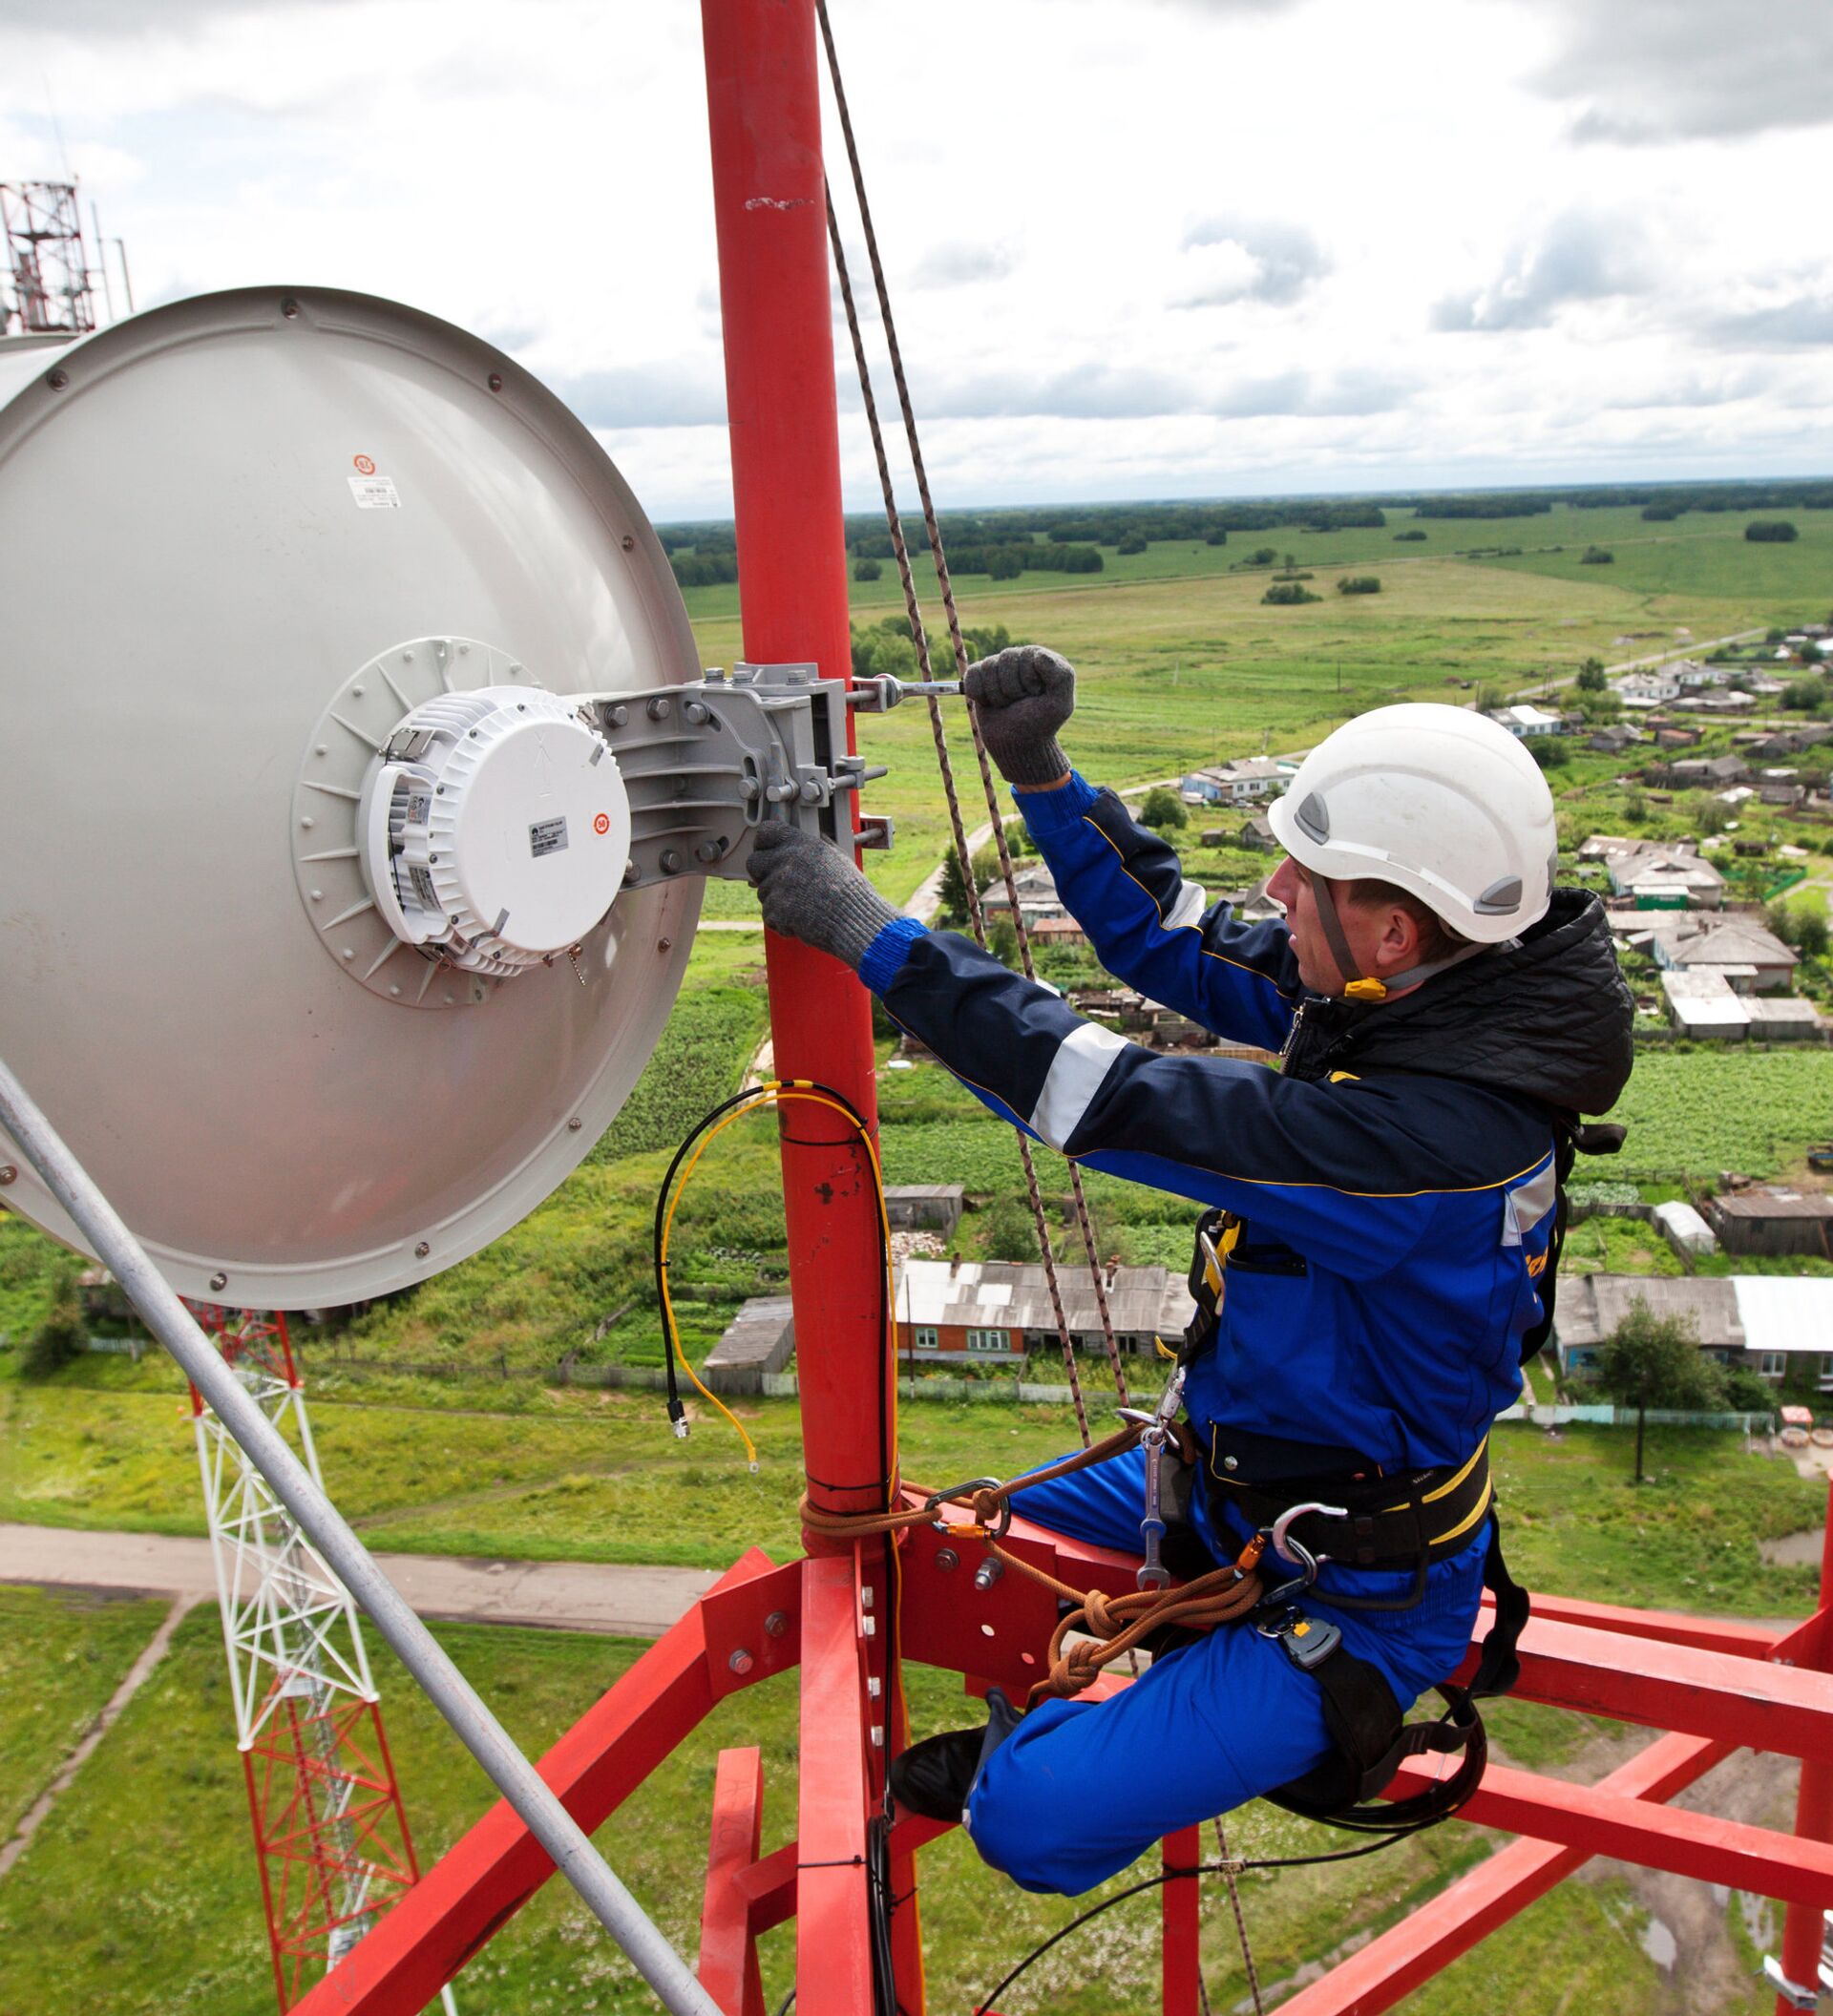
(809, 890)
(1025, 695)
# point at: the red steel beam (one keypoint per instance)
(486, 1877)
(832, 1931)
(1698, 1844)
(1759, 1703)
(728, 1945)
(1180, 1963)
(1717, 1635)
(1804, 1930)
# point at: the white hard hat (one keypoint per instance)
(1441, 801)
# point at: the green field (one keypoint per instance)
(598, 1478)
(62, 1654)
(1182, 665)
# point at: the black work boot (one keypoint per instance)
(936, 1776)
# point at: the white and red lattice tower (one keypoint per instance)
(330, 1832)
(47, 264)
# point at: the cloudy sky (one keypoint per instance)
(1137, 247)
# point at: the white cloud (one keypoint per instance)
(1197, 248)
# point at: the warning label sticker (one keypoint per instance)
(374, 493)
(548, 836)
(423, 886)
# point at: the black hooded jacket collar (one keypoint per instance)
(1547, 1016)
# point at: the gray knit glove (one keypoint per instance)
(809, 890)
(1025, 695)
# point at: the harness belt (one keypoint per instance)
(1366, 1520)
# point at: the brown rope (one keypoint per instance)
(1107, 1627)
(987, 786)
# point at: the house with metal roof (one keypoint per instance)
(994, 1312)
(1779, 1327)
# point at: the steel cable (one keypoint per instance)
(989, 789)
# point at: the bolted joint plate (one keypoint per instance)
(739, 1620)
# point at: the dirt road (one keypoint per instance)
(561, 1595)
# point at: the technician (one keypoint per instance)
(1382, 1222)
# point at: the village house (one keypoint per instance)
(924, 1206)
(1059, 932)
(1647, 689)
(1677, 735)
(1258, 834)
(1779, 1327)
(1659, 876)
(993, 1312)
(1524, 720)
(1615, 737)
(1238, 783)
(1723, 702)
(1037, 897)
(1764, 1220)
(760, 1338)
(1719, 1003)
(1699, 773)
(1780, 786)
(1725, 942)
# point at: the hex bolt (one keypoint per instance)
(628, 542)
(631, 874)
(660, 706)
(947, 1560)
(620, 717)
(709, 850)
(574, 1124)
(776, 1623)
(750, 787)
(219, 1282)
(877, 1735)
(670, 862)
(421, 1251)
(874, 1687)
(494, 381)
(740, 1661)
(57, 380)
(868, 1626)
(9, 1173)
(664, 944)
(866, 1597)
(289, 309)
(988, 1572)
(695, 711)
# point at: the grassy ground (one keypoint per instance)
(600, 1479)
(62, 1654)
(158, 1817)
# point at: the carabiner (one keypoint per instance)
(1283, 1544)
(955, 1492)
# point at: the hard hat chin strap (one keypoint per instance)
(1356, 986)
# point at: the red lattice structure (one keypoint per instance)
(845, 1612)
(332, 1836)
(46, 262)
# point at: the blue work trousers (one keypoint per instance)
(1080, 1789)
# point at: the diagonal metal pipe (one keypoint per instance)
(511, 1773)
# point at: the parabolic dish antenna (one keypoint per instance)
(243, 539)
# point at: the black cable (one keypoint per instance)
(670, 1342)
(986, 2002)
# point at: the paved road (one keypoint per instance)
(563, 1595)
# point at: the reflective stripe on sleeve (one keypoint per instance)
(1192, 901)
(1081, 1064)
